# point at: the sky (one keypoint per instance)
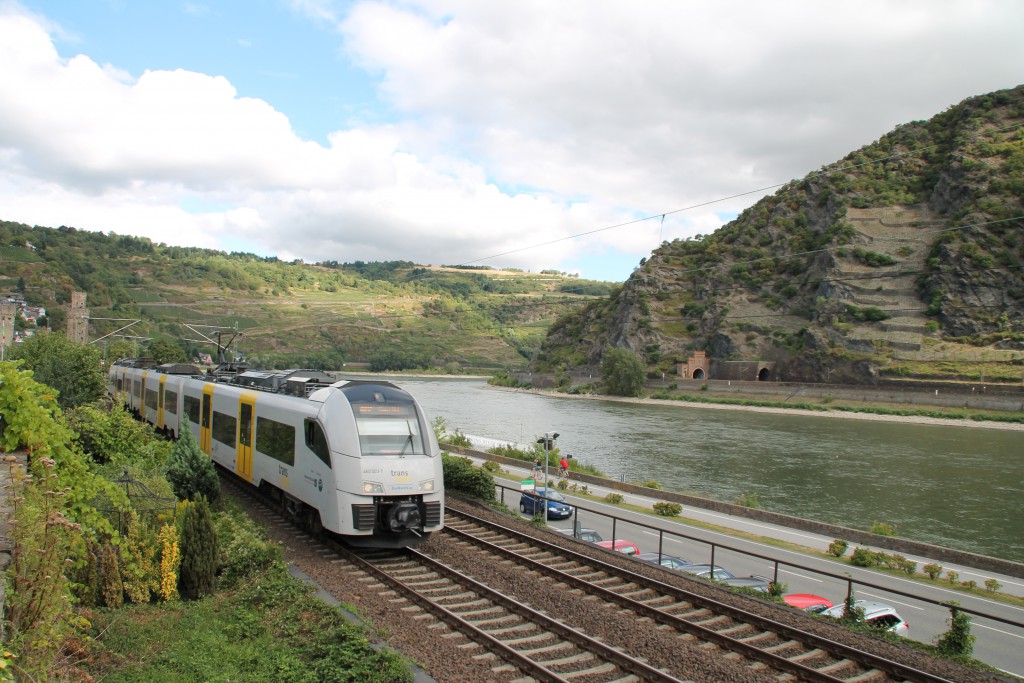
(575, 135)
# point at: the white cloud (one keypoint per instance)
(523, 123)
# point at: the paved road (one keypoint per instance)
(1000, 645)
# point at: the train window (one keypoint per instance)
(192, 409)
(316, 440)
(276, 439)
(383, 434)
(171, 402)
(151, 399)
(137, 388)
(224, 428)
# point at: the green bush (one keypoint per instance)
(613, 498)
(650, 484)
(958, 640)
(667, 509)
(190, 471)
(883, 529)
(838, 548)
(863, 557)
(992, 586)
(932, 570)
(199, 550)
(244, 550)
(461, 476)
(491, 466)
(952, 576)
(748, 499)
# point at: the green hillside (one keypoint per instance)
(290, 314)
(903, 258)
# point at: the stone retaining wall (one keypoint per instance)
(854, 536)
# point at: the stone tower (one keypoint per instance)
(7, 313)
(78, 318)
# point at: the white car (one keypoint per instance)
(877, 614)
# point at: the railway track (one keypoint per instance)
(779, 647)
(444, 588)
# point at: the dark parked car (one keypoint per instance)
(584, 534)
(531, 503)
(667, 561)
(708, 572)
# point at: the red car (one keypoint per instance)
(625, 547)
(808, 602)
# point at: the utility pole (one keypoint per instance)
(549, 444)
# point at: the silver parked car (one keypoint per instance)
(877, 614)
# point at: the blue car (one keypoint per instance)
(531, 502)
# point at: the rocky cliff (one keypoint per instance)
(903, 257)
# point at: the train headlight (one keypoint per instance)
(372, 487)
(427, 485)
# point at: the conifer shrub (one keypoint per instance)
(137, 552)
(199, 551)
(170, 562)
(111, 586)
(190, 471)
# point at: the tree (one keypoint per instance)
(622, 372)
(163, 351)
(73, 369)
(190, 471)
(198, 550)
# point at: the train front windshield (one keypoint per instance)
(386, 420)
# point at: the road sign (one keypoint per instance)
(527, 485)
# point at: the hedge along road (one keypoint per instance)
(951, 485)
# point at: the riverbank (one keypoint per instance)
(779, 410)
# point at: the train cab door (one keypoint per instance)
(206, 419)
(246, 427)
(160, 403)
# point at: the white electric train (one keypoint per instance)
(357, 458)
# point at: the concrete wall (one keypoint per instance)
(854, 536)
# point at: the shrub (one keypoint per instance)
(883, 529)
(952, 576)
(460, 475)
(863, 557)
(932, 570)
(838, 548)
(491, 466)
(111, 586)
(778, 588)
(992, 586)
(667, 509)
(748, 499)
(650, 484)
(970, 584)
(198, 550)
(614, 498)
(190, 471)
(170, 563)
(243, 549)
(958, 640)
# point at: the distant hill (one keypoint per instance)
(393, 315)
(903, 258)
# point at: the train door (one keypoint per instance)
(206, 419)
(160, 403)
(246, 425)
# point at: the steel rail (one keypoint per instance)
(803, 672)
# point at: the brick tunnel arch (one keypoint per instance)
(698, 373)
(763, 375)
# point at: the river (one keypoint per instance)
(953, 486)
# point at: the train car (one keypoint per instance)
(355, 457)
